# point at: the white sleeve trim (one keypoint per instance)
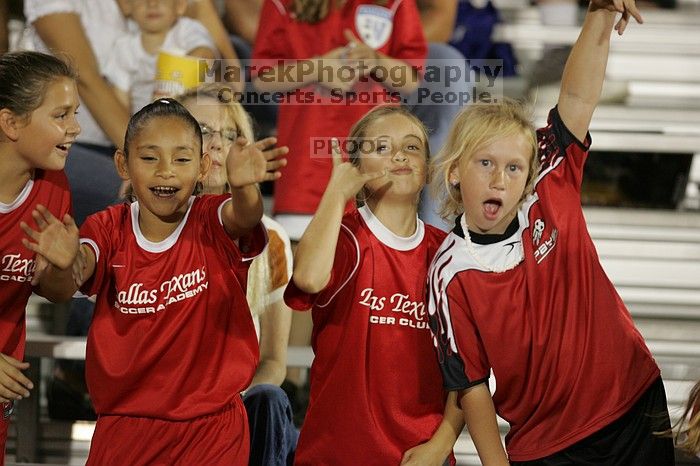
(221, 222)
(94, 247)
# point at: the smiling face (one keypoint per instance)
(156, 16)
(399, 148)
(492, 183)
(164, 164)
(44, 139)
(218, 134)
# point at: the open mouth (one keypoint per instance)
(402, 171)
(491, 208)
(64, 147)
(164, 191)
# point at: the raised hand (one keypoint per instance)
(358, 50)
(334, 60)
(248, 164)
(56, 241)
(346, 178)
(13, 384)
(626, 7)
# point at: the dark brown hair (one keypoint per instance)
(25, 77)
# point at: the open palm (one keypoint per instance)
(55, 241)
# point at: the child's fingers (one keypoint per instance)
(631, 9)
(29, 231)
(273, 165)
(265, 143)
(272, 176)
(16, 363)
(619, 5)
(48, 216)
(349, 36)
(12, 389)
(31, 246)
(622, 23)
(69, 222)
(39, 220)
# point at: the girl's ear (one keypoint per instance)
(204, 165)
(9, 124)
(121, 163)
(454, 175)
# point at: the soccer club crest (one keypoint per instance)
(374, 24)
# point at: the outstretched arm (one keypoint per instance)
(584, 72)
(248, 165)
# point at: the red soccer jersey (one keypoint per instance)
(563, 349)
(49, 188)
(393, 29)
(375, 382)
(172, 335)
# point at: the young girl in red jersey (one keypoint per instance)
(172, 342)
(375, 395)
(517, 287)
(38, 103)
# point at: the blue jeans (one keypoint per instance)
(273, 437)
(93, 179)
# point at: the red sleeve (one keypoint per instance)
(459, 347)
(557, 146)
(345, 263)
(271, 40)
(408, 41)
(245, 248)
(96, 233)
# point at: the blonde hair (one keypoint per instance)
(359, 131)
(313, 11)
(234, 112)
(259, 274)
(686, 431)
(474, 128)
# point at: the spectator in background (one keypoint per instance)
(132, 65)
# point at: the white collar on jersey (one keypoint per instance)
(19, 200)
(387, 237)
(493, 259)
(160, 246)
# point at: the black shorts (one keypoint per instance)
(628, 441)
